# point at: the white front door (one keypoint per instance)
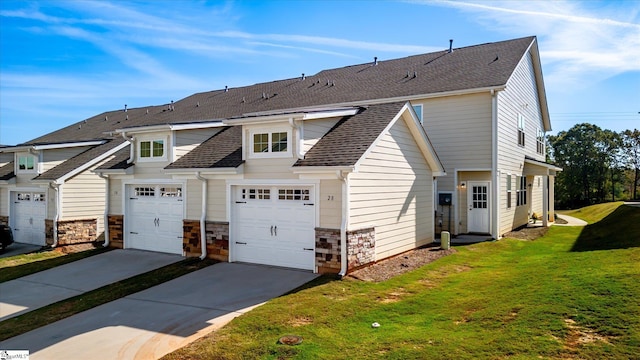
(478, 206)
(154, 218)
(274, 225)
(28, 210)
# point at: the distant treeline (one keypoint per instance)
(598, 165)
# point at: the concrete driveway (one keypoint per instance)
(46, 287)
(159, 320)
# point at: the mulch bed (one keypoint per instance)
(410, 260)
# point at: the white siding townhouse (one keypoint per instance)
(336, 170)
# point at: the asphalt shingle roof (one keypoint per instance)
(472, 67)
(348, 140)
(6, 171)
(119, 162)
(79, 160)
(222, 150)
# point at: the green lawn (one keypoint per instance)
(22, 265)
(575, 293)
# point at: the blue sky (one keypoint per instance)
(64, 61)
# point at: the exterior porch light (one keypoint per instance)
(463, 185)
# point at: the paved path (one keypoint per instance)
(46, 287)
(159, 320)
(571, 221)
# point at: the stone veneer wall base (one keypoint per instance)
(217, 233)
(116, 231)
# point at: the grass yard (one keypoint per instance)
(572, 294)
(22, 265)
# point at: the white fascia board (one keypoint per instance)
(303, 114)
(542, 164)
(127, 171)
(320, 169)
(8, 182)
(423, 142)
(215, 171)
(52, 146)
(170, 127)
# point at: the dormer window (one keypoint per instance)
(152, 149)
(26, 163)
(270, 143)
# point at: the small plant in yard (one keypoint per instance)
(503, 299)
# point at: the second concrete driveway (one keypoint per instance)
(159, 320)
(47, 287)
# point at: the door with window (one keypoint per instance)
(154, 218)
(274, 225)
(478, 206)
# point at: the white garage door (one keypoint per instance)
(154, 218)
(274, 226)
(28, 211)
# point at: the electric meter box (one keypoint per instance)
(445, 199)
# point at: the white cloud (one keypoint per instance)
(580, 43)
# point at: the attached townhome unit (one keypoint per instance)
(49, 195)
(333, 171)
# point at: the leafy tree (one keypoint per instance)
(589, 157)
(631, 156)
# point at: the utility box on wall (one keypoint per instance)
(445, 199)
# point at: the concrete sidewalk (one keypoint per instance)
(46, 287)
(571, 221)
(159, 320)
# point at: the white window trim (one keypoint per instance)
(151, 139)
(521, 121)
(270, 131)
(419, 109)
(26, 171)
(509, 188)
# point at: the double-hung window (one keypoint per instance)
(522, 191)
(270, 143)
(509, 191)
(520, 130)
(540, 142)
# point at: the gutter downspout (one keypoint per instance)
(106, 208)
(299, 135)
(203, 232)
(55, 186)
(495, 183)
(132, 151)
(345, 223)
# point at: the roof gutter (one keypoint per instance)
(299, 134)
(203, 232)
(56, 186)
(106, 208)
(344, 225)
(132, 149)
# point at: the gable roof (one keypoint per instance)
(468, 68)
(222, 150)
(351, 137)
(80, 161)
(7, 171)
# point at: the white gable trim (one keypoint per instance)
(51, 146)
(85, 166)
